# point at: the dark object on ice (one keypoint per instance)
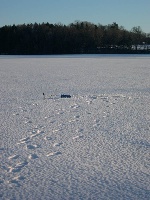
(65, 96)
(43, 96)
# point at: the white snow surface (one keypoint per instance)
(94, 145)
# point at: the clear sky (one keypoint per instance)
(127, 13)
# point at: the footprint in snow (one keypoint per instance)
(36, 133)
(57, 144)
(41, 126)
(15, 114)
(105, 99)
(79, 130)
(56, 130)
(35, 104)
(33, 156)
(71, 121)
(97, 123)
(1, 181)
(26, 118)
(47, 138)
(88, 101)
(75, 106)
(24, 140)
(54, 153)
(60, 112)
(53, 121)
(96, 120)
(5, 168)
(94, 97)
(105, 114)
(16, 180)
(77, 116)
(18, 167)
(13, 157)
(31, 147)
(33, 131)
(20, 178)
(28, 122)
(116, 96)
(23, 110)
(77, 137)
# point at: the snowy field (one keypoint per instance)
(92, 146)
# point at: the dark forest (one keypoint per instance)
(75, 38)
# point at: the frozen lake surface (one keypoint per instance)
(94, 145)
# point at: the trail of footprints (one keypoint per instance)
(17, 167)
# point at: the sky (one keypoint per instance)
(126, 13)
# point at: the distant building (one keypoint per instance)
(141, 47)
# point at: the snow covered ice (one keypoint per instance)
(94, 145)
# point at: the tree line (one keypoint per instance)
(75, 38)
